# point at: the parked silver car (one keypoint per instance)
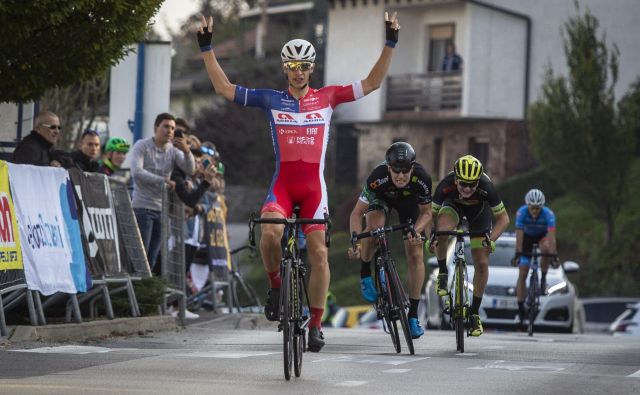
(559, 307)
(601, 312)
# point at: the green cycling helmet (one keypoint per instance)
(117, 144)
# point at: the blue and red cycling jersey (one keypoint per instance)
(300, 134)
(545, 222)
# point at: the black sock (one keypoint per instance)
(543, 278)
(365, 269)
(521, 307)
(442, 265)
(475, 305)
(413, 308)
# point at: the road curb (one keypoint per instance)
(92, 329)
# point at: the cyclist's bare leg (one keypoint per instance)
(481, 270)
(320, 274)
(521, 288)
(446, 222)
(374, 220)
(416, 269)
(270, 237)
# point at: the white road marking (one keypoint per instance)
(396, 370)
(493, 347)
(371, 360)
(466, 354)
(636, 374)
(224, 354)
(351, 383)
(525, 366)
(68, 350)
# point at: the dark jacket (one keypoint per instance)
(81, 161)
(190, 198)
(33, 150)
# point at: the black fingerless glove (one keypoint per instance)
(392, 35)
(204, 39)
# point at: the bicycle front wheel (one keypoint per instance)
(299, 333)
(286, 311)
(459, 308)
(385, 305)
(533, 301)
(400, 305)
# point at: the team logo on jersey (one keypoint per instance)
(291, 140)
(284, 118)
(376, 183)
(287, 131)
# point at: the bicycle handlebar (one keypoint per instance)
(289, 221)
(373, 233)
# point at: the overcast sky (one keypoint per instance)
(172, 14)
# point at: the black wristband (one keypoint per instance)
(391, 33)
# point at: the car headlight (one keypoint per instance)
(560, 287)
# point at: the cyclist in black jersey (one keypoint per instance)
(466, 192)
(402, 184)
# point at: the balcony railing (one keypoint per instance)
(434, 92)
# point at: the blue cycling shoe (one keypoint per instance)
(415, 328)
(368, 290)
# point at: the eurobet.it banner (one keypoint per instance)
(10, 253)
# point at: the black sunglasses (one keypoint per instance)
(464, 184)
(403, 170)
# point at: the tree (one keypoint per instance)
(576, 131)
(50, 43)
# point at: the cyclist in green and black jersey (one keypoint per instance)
(402, 184)
(466, 192)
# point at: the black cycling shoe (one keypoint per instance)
(272, 307)
(316, 340)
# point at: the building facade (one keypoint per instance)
(481, 108)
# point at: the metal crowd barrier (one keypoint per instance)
(172, 251)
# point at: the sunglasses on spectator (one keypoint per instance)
(464, 184)
(52, 127)
(208, 151)
(403, 170)
(302, 66)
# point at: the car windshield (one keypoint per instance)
(500, 257)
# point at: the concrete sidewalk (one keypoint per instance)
(91, 329)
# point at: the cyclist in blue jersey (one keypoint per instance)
(535, 224)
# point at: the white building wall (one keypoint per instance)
(355, 38)
(493, 83)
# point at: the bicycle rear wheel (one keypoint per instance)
(299, 333)
(287, 327)
(400, 305)
(533, 301)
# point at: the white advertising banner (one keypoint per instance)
(46, 244)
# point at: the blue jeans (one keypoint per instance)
(149, 224)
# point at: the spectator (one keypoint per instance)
(36, 148)
(115, 153)
(153, 159)
(452, 62)
(86, 156)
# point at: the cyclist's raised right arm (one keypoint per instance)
(218, 78)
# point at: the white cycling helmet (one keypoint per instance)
(298, 50)
(534, 197)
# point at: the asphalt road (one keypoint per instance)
(219, 356)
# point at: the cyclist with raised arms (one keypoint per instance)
(466, 192)
(299, 119)
(402, 184)
(535, 224)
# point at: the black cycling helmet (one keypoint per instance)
(400, 155)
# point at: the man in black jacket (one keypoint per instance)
(36, 148)
(86, 156)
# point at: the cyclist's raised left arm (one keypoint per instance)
(218, 78)
(380, 68)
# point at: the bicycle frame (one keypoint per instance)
(458, 300)
(392, 302)
(534, 292)
(293, 322)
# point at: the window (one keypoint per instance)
(479, 147)
(439, 37)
